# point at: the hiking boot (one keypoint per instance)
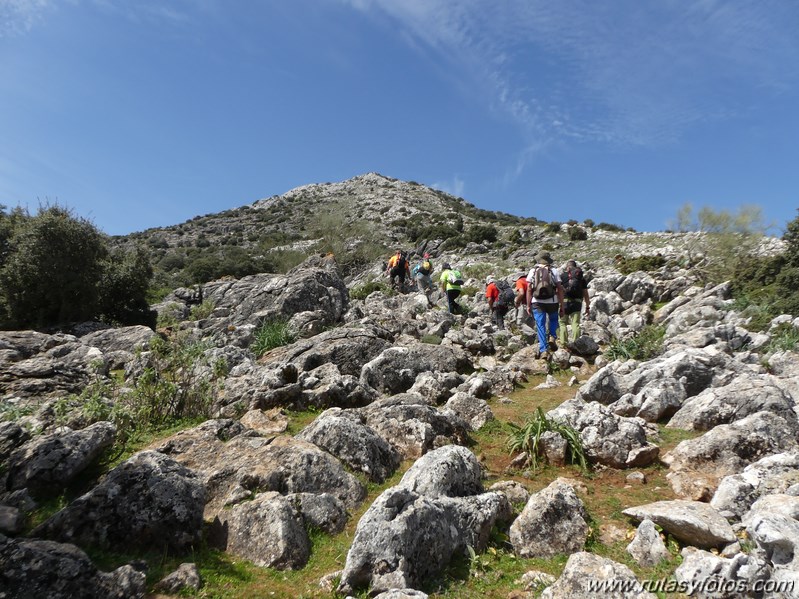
(545, 356)
(552, 345)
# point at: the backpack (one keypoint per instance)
(543, 286)
(424, 268)
(575, 284)
(506, 294)
(454, 278)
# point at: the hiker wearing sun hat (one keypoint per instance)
(545, 301)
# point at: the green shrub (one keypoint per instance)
(610, 227)
(55, 268)
(577, 234)
(640, 263)
(553, 227)
(527, 439)
(784, 337)
(362, 291)
(431, 339)
(201, 311)
(645, 345)
(271, 334)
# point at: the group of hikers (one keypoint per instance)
(553, 298)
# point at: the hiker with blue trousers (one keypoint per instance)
(545, 302)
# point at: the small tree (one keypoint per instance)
(725, 238)
(52, 268)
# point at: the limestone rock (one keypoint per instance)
(149, 501)
(692, 522)
(554, 521)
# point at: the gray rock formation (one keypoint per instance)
(187, 576)
(742, 397)
(414, 427)
(773, 474)
(48, 462)
(470, 409)
(588, 575)
(692, 522)
(553, 522)
(36, 568)
(35, 365)
(236, 467)
(607, 439)
(119, 344)
(396, 368)
(407, 536)
(344, 434)
(705, 575)
(698, 465)
(149, 502)
(647, 548)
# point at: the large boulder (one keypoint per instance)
(268, 531)
(692, 522)
(148, 502)
(348, 347)
(395, 369)
(38, 568)
(689, 372)
(647, 548)
(553, 522)
(773, 474)
(45, 464)
(315, 285)
(408, 536)
(413, 426)
(120, 344)
(344, 434)
(742, 397)
(607, 439)
(705, 575)
(587, 575)
(237, 464)
(35, 365)
(698, 465)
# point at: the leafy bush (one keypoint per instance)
(642, 263)
(577, 234)
(553, 227)
(431, 339)
(527, 439)
(647, 344)
(55, 269)
(271, 334)
(480, 234)
(362, 291)
(610, 227)
(201, 311)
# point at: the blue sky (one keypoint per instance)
(140, 113)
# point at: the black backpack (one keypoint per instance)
(506, 295)
(575, 284)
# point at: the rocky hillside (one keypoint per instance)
(394, 396)
(315, 433)
(362, 219)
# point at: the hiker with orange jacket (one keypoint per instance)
(398, 269)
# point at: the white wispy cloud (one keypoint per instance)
(18, 16)
(622, 73)
(453, 187)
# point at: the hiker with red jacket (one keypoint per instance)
(545, 302)
(500, 297)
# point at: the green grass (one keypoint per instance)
(645, 345)
(271, 334)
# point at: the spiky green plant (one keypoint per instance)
(271, 334)
(527, 438)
